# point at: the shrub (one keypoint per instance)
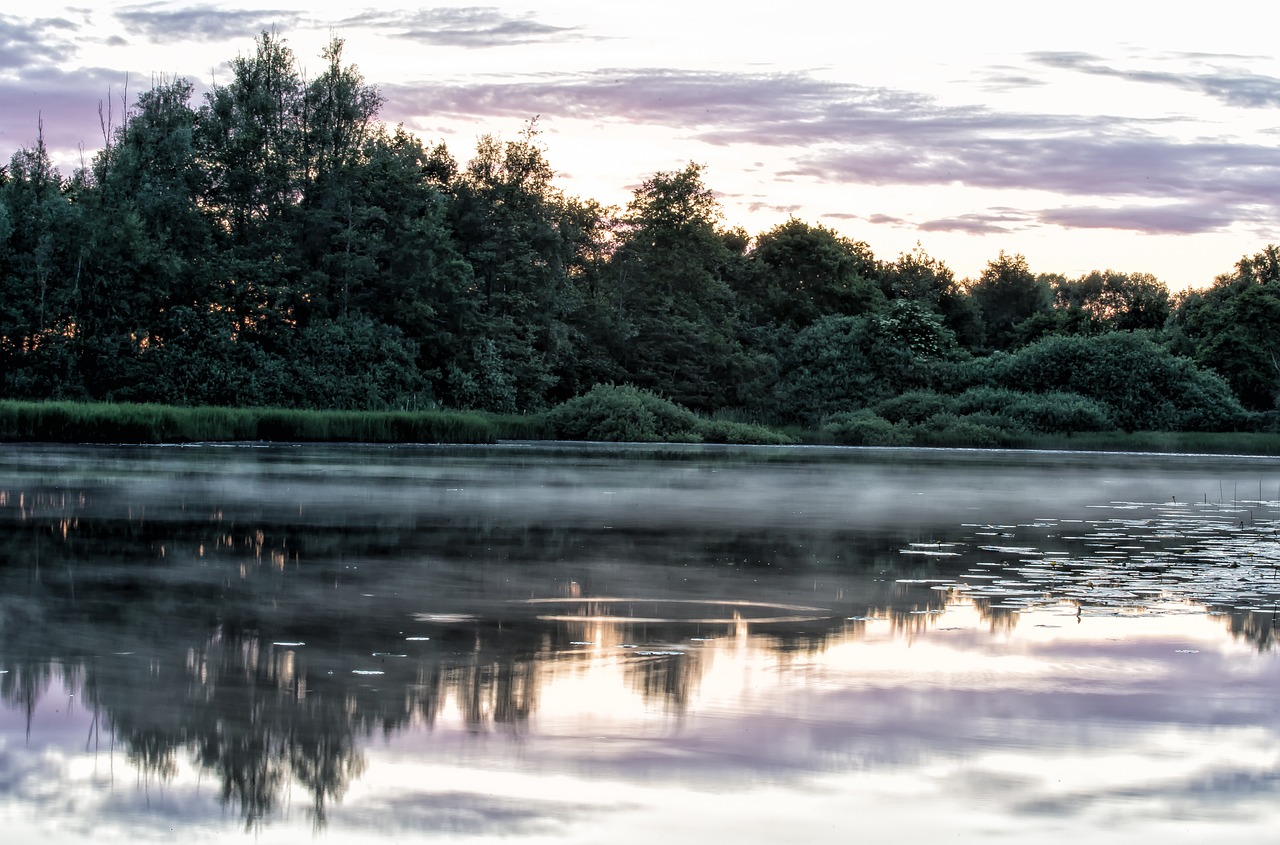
(726, 431)
(864, 428)
(951, 430)
(622, 413)
(1060, 413)
(914, 406)
(1144, 386)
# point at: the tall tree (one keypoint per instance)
(146, 246)
(1231, 328)
(1116, 301)
(521, 236)
(803, 272)
(919, 277)
(251, 140)
(1008, 294)
(40, 274)
(672, 306)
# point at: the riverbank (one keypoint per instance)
(93, 422)
(90, 422)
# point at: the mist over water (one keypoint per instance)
(570, 642)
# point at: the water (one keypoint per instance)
(575, 644)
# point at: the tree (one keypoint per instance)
(1232, 328)
(1115, 301)
(252, 142)
(919, 277)
(1008, 293)
(672, 308)
(801, 273)
(146, 243)
(40, 276)
(527, 245)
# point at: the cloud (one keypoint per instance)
(473, 26)
(67, 103)
(163, 23)
(976, 224)
(1232, 87)
(847, 133)
(1178, 219)
(33, 43)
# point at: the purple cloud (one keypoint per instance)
(473, 26)
(1232, 87)
(33, 43)
(204, 22)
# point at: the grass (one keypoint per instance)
(93, 422)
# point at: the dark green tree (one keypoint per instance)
(528, 246)
(1233, 328)
(1007, 294)
(252, 142)
(40, 275)
(919, 277)
(800, 273)
(1115, 301)
(673, 310)
(146, 247)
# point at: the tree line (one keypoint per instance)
(276, 244)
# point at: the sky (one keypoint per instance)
(1095, 135)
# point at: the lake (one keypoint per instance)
(580, 644)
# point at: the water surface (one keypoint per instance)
(577, 644)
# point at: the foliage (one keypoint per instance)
(1115, 301)
(69, 422)
(1232, 328)
(622, 413)
(1008, 294)
(275, 244)
(1142, 385)
(628, 414)
(799, 273)
(863, 428)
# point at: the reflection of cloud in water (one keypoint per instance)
(418, 811)
(228, 634)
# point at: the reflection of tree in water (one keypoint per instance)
(198, 597)
(1254, 627)
(669, 678)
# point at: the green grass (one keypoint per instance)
(1201, 442)
(1186, 442)
(91, 422)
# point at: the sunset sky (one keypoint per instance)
(1120, 135)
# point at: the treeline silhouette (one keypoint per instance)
(277, 245)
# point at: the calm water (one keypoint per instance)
(542, 644)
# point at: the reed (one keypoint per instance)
(90, 422)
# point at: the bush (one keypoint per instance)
(725, 431)
(914, 406)
(951, 430)
(623, 413)
(1143, 385)
(991, 400)
(1064, 413)
(864, 428)
(620, 414)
